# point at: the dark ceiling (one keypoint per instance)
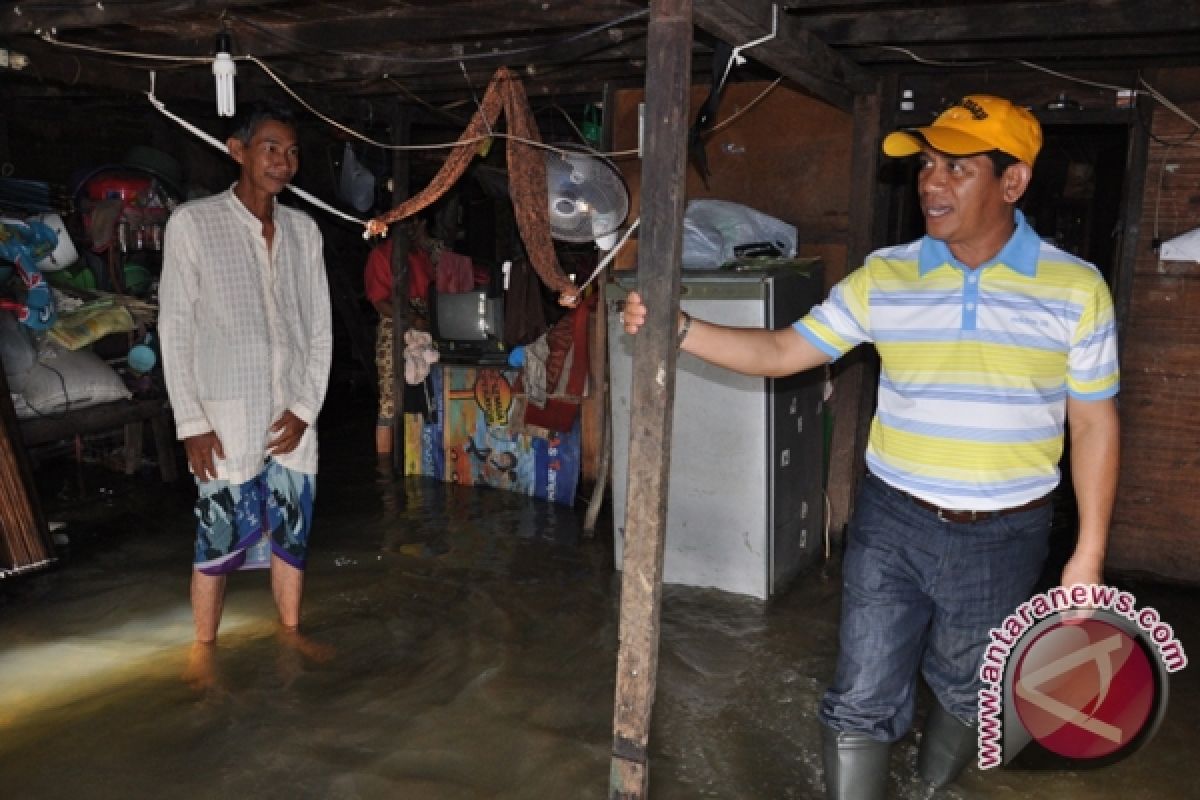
(442, 52)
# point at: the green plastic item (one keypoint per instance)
(79, 276)
(137, 278)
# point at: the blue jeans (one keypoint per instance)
(921, 593)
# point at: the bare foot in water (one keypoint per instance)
(309, 648)
(296, 648)
(201, 670)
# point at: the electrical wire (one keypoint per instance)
(309, 107)
(451, 59)
(313, 200)
(733, 118)
(1074, 78)
(615, 154)
(441, 110)
(1147, 91)
(934, 62)
(384, 145)
(609, 256)
(54, 40)
(62, 381)
(1157, 95)
(1162, 170)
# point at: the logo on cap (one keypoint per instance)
(973, 108)
(978, 123)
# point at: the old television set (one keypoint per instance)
(469, 327)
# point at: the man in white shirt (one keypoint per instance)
(247, 341)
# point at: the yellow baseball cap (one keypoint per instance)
(976, 124)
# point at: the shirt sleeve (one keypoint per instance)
(1092, 368)
(842, 322)
(377, 277)
(177, 293)
(320, 343)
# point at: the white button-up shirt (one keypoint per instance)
(246, 333)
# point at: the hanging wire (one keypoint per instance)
(610, 255)
(615, 154)
(736, 56)
(493, 54)
(487, 125)
(1147, 91)
(212, 140)
(745, 109)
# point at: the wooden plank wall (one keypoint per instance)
(1158, 509)
(787, 156)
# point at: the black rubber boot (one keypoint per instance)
(947, 746)
(856, 766)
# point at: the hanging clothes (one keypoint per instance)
(526, 170)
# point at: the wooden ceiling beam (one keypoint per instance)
(66, 15)
(794, 53)
(410, 25)
(1052, 53)
(51, 67)
(303, 74)
(1058, 21)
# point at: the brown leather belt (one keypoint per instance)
(961, 517)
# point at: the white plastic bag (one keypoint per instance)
(713, 228)
(67, 380)
(16, 351)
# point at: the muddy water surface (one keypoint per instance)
(458, 645)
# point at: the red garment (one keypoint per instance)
(378, 274)
(562, 402)
(455, 273)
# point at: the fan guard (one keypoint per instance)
(587, 196)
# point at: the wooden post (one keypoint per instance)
(164, 446)
(401, 133)
(668, 71)
(1133, 192)
(854, 384)
(133, 446)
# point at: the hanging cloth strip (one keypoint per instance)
(527, 176)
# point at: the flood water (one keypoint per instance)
(458, 644)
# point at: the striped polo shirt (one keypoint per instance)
(976, 365)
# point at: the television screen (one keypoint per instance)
(468, 317)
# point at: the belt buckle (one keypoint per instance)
(960, 517)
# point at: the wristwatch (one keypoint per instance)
(683, 329)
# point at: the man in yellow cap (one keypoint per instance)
(989, 340)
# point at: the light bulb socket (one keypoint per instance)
(224, 42)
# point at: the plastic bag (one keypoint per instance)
(16, 351)
(81, 328)
(67, 380)
(357, 183)
(712, 229)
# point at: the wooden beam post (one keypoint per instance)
(794, 53)
(1133, 193)
(854, 379)
(668, 67)
(401, 134)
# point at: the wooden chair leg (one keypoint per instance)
(164, 446)
(133, 447)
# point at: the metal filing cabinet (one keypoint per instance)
(745, 507)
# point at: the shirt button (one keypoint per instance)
(970, 306)
(971, 278)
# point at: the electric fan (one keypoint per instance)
(587, 196)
